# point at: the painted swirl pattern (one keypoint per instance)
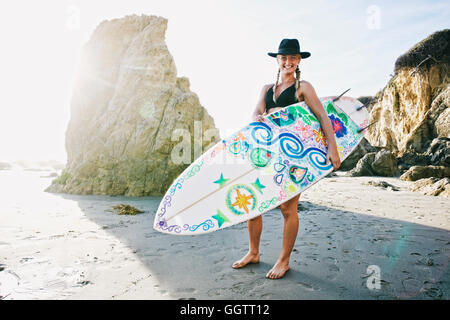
(206, 225)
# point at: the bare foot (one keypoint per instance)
(278, 270)
(248, 258)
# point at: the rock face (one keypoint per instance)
(412, 109)
(437, 154)
(432, 187)
(129, 113)
(382, 163)
(419, 172)
(438, 151)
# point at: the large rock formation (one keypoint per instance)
(411, 116)
(381, 163)
(412, 109)
(126, 106)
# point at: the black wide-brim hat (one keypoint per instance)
(290, 46)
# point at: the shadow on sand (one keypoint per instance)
(332, 254)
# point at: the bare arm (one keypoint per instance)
(313, 102)
(261, 105)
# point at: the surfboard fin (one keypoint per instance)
(338, 97)
(364, 128)
(360, 107)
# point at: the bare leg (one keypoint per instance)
(290, 230)
(254, 235)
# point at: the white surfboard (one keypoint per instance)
(258, 168)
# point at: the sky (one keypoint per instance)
(221, 46)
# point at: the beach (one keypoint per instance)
(61, 246)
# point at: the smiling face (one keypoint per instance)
(288, 63)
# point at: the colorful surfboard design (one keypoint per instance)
(258, 168)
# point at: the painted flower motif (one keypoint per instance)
(303, 129)
(341, 151)
(239, 137)
(338, 126)
(291, 189)
(320, 137)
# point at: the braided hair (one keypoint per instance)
(297, 82)
(275, 86)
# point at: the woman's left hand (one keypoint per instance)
(333, 157)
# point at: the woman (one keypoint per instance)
(284, 92)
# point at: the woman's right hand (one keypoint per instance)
(259, 118)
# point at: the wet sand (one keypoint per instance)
(55, 246)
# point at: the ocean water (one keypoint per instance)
(23, 190)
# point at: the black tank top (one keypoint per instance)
(286, 98)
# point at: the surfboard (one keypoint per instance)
(259, 167)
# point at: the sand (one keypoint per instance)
(55, 246)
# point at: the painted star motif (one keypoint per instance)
(258, 186)
(242, 201)
(221, 181)
(221, 218)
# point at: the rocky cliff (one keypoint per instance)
(411, 116)
(129, 113)
(413, 108)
